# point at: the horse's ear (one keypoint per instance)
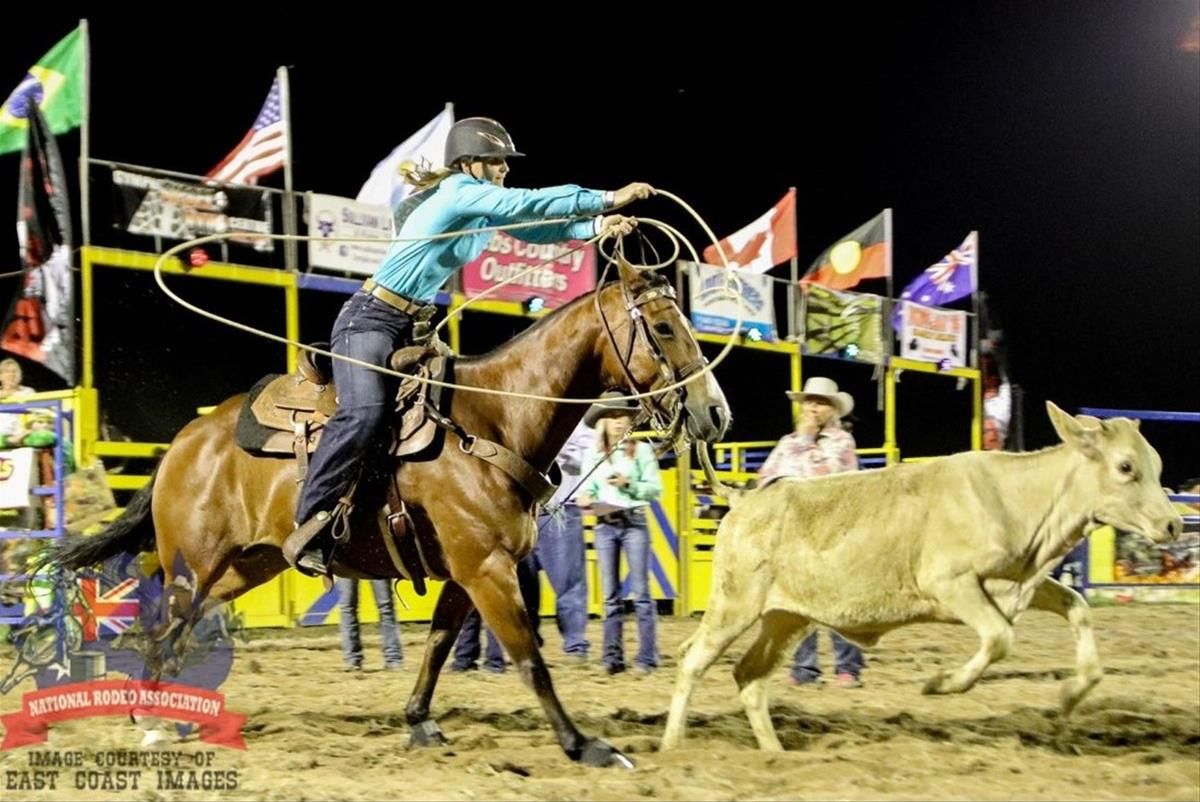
(629, 276)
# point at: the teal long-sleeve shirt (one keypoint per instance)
(416, 269)
(645, 483)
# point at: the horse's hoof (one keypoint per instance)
(427, 733)
(598, 752)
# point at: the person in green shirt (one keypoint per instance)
(618, 492)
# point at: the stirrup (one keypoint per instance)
(312, 563)
(308, 561)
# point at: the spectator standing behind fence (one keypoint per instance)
(818, 447)
(624, 482)
(559, 552)
(12, 428)
(560, 547)
(466, 647)
(389, 630)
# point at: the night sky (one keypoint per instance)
(1067, 133)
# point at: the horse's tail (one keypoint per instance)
(131, 533)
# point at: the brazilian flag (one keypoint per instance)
(55, 85)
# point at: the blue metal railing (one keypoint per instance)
(63, 419)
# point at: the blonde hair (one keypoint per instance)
(424, 175)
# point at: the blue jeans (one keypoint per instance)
(466, 648)
(369, 330)
(389, 630)
(1076, 559)
(561, 554)
(630, 533)
(806, 667)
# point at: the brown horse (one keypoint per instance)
(226, 512)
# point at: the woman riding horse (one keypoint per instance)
(221, 513)
(468, 193)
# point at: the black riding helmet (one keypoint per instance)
(478, 138)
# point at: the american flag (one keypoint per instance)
(264, 148)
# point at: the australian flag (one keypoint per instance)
(950, 279)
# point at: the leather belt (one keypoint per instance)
(631, 516)
(399, 302)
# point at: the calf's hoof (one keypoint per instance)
(936, 685)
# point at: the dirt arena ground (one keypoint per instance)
(315, 733)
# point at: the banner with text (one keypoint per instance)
(715, 309)
(177, 209)
(332, 220)
(570, 272)
(933, 335)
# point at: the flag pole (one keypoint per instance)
(85, 216)
(289, 198)
(977, 416)
(888, 333)
(795, 271)
(887, 236)
(979, 333)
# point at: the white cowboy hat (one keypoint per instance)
(821, 387)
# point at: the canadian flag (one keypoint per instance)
(768, 241)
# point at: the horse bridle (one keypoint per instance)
(652, 408)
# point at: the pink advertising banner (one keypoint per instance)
(569, 270)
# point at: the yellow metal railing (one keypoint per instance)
(695, 535)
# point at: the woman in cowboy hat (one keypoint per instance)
(818, 447)
(624, 482)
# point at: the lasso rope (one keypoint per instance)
(731, 281)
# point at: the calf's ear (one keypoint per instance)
(1081, 431)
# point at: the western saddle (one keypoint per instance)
(291, 411)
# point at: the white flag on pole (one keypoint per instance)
(386, 186)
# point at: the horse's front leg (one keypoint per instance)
(452, 607)
(497, 596)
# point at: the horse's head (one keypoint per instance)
(651, 345)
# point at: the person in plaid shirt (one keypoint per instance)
(818, 447)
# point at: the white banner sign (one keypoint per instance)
(331, 217)
(16, 477)
(933, 335)
(714, 309)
